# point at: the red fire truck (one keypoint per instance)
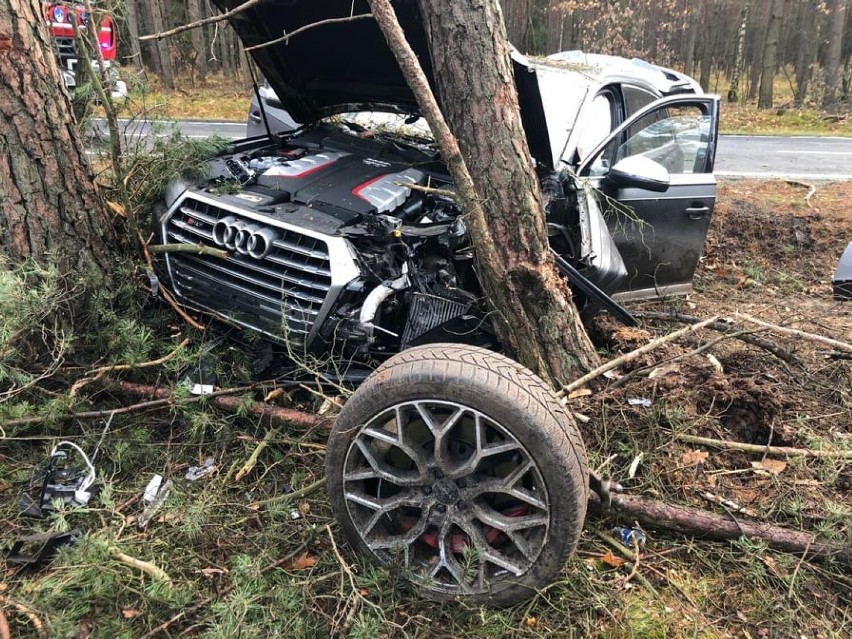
(60, 19)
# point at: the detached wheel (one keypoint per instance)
(460, 466)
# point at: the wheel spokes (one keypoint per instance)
(453, 492)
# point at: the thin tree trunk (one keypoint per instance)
(770, 55)
(739, 50)
(146, 25)
(807, 50)
(133, 31)
(708, 48)
(193, 12)
(167, 70)
(51, 209)
(693, 17)
(535, 318)
(833, 59)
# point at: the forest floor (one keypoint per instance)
(236, 565)
(224, 99)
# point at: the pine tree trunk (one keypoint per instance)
(846, 93)
(770, 55)
(498, 188)
(693, 17)
(51, 209)
(193, 12)
(807, 50)
(834, 52)
(146, 26)
(167, 70)
(133, 31)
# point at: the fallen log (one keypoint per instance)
(709, 525)
(275, 414)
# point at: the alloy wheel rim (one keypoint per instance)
(448, 493)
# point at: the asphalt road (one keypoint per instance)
(797, 158)
(738, 156)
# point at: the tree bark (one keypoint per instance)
(834, 52)
(498, 189)
(133, 31)
(193, 12)
(807, 50)
(167, 70)
(51, 209)
(708, 525)
(739, 50)
(770, 55)
(693, 17)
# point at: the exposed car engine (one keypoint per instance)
(339, 240)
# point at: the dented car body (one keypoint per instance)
(344, 240)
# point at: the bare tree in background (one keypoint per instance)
(834, 52)
(770, 55)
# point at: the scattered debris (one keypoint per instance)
(152, 489)
(644, 402)
(41, 548)
(634, 466)
(204, 470)
(58, 481)
(159, 493)
(842, 280)
(630, 537)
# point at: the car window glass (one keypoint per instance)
(636, 99)
(677, 137)
(596, 126)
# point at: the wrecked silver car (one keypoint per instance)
(345, 244)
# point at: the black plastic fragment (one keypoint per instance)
(842, 280)
(41, 548)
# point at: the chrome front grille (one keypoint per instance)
(285, 294)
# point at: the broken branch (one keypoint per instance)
(195, 249)
(764, 450)
(296, 494)
(313, 25)
(251, 462)
(725, 327)
(795, 332)
(618, 361)
(200, 23)
(37, 623)
(145, 566)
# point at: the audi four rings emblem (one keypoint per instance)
(244, 237)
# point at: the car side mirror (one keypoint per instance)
(638, 171)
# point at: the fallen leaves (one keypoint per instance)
(694, 457)
(611, 560)
(304, 561)
(771, 466)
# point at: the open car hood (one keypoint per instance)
(347, 66)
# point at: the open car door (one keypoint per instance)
(653, 179)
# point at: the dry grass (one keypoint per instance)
(241, 571)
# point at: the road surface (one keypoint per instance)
(737, 156)
(796, 158)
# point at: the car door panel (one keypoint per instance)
(660, 235)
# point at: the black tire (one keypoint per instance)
(502, 449)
